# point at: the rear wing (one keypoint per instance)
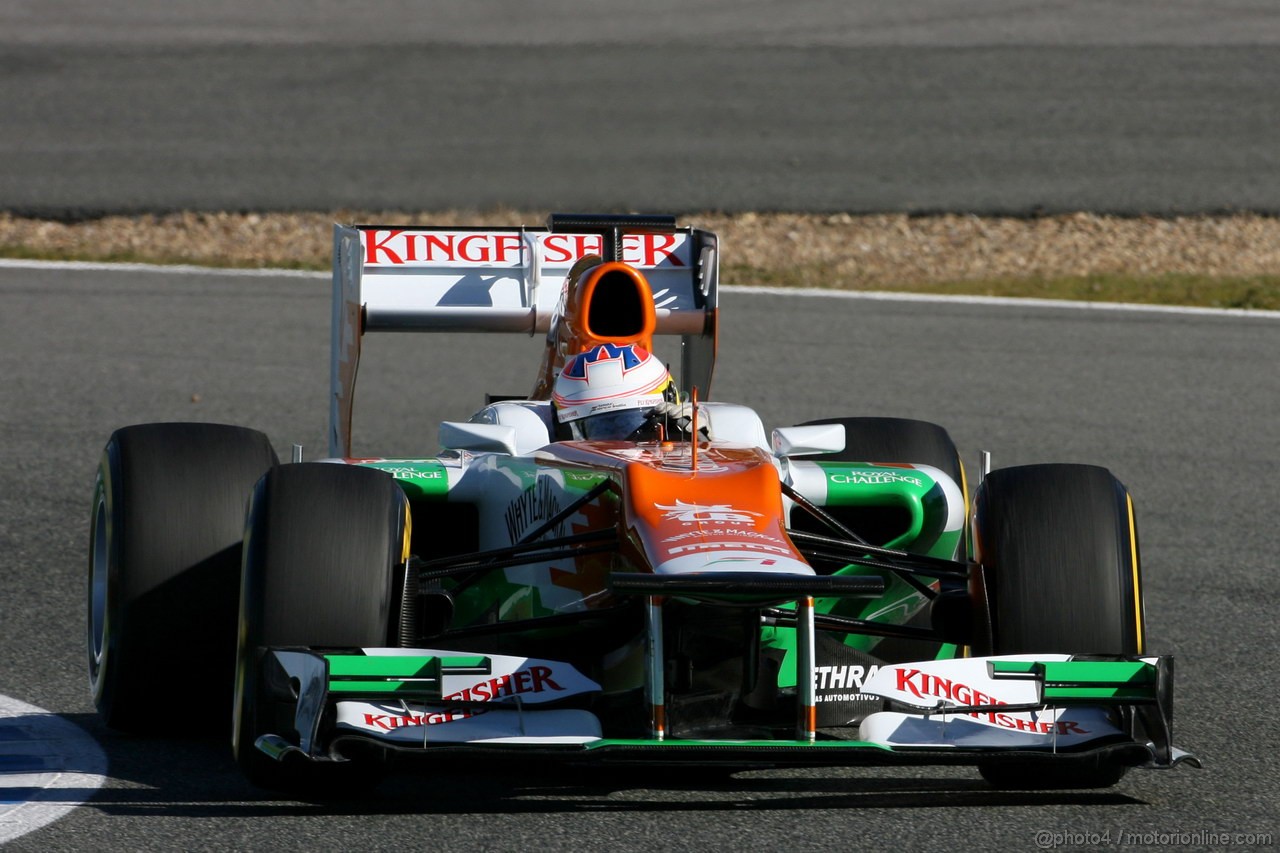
(508, 279)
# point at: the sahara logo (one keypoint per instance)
(694, 513)
(846, 679)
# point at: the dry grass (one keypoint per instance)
(1212, 260)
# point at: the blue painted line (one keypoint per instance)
(28, 763)
(50, 764)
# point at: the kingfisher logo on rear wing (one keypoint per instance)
(509, 280)
(402, 247)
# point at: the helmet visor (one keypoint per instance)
(624, 425)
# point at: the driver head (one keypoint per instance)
(607, 393)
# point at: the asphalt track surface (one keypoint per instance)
(985, 106)
(1182, 407)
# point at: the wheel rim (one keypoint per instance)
(98, 569)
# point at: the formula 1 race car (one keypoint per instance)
(690, 589)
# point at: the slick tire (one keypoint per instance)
(1058, 548)
(322, 545)
(165, 533)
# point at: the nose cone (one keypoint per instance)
(725, 516)
(710, 557)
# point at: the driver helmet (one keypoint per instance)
(608, 392)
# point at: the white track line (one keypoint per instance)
(171, 269)
(807, 292)
(1002, 301)
(48, 766)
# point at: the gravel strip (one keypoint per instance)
(828, 250)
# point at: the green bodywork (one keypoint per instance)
(502, 595)
(374, 677)
(1071, 682)
(518, 594)
(417, 677)
(420, 479)
(925, 508)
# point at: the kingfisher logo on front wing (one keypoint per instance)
(927, 686)
(699, 513)
(391, 722)
(535, 679)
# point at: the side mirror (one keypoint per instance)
(803, 440)
(482, 438)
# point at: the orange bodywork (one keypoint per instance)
(604, 303)
(724, 516)
(684, 509)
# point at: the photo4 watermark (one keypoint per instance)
(1053, 840)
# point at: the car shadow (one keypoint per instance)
(197, 777)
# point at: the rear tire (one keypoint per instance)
(1059, 554)
(896, 440)
(164, 567)
(322, 545)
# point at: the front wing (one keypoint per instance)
(1047, 708)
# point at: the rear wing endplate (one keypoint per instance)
(508, 279)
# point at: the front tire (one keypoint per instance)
(1059, 554)
(322, 545)
(1058, 546)
(164, 566)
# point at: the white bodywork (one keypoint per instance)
(500, 706)
(500, 280)
(968, 682)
